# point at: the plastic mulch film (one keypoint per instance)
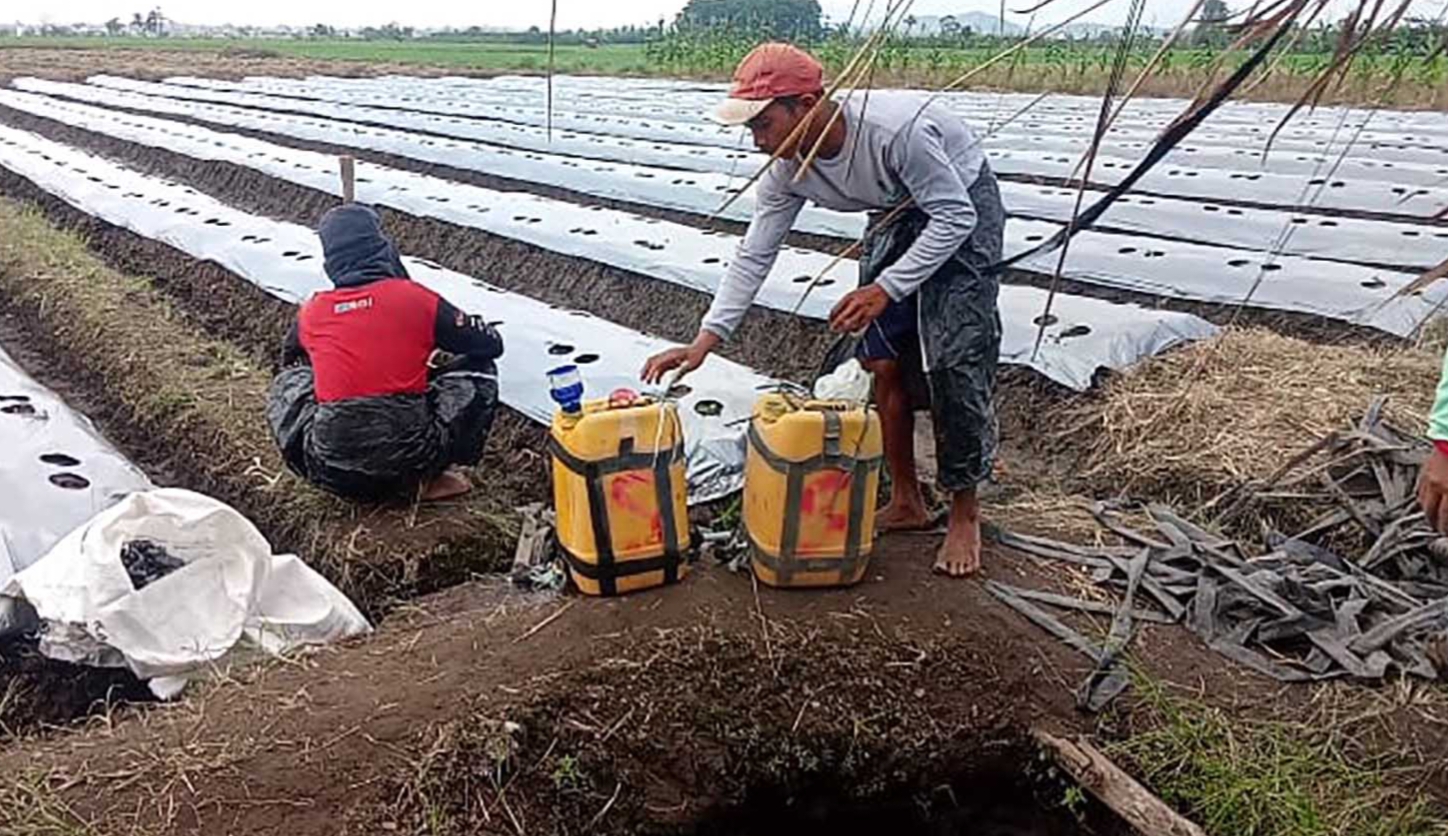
(57, 471)
(1307, 233)
(697, 258)
(1233, 137)
(1084, 336)
(1183, 179)
(286, 261)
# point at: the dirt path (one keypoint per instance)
(690, 697)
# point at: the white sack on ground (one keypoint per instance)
(212, 588)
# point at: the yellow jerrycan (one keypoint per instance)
(810, 484)
(620, 494)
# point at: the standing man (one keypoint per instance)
(927, 301)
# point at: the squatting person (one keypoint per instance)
(386, 388)
(927, 301)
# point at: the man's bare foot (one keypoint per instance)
(903, 516)
(959, 555)
(447, 485)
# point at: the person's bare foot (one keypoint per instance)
(903, 516)
(447, 485)
(959, 555)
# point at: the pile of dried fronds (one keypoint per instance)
(1190, 425)
(1360, 590)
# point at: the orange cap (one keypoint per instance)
(769, 72)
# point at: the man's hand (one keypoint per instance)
(858, 309)
(1433, 491)
(685, 359)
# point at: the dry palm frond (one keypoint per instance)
(1174, 134)
(1146, 72)
(1357, 32)
(1301, 32)
(1103, 122)
(1428, 277)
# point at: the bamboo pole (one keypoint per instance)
(349, 178)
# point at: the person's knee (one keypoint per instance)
(881, 367)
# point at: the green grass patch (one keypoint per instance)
(1244, 777)
(609, 58)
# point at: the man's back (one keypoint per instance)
(369, 340)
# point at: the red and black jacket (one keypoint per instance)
(375, 339)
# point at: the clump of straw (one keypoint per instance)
(1192, 424)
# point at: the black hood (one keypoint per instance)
(355, 249)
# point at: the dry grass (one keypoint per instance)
(1191, 424)
(30, 805)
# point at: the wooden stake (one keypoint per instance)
(349, 178)
(1135, 804)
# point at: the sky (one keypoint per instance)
(587, 14)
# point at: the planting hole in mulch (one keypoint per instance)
(60, 459)
(69, 481)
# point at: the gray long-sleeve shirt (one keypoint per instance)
(897, 145)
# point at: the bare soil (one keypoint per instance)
(687, 706)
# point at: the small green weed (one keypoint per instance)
(567, 775)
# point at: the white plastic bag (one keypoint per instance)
(848, 382)
(229, 593)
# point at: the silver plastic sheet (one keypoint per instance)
(699, 192)
(57, 471)
(285, 260)
(1125, 139)
(1235, 129)
(687, 101)
(1327, 191)
(741, 161)
(1415, 246)
(696, 258)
